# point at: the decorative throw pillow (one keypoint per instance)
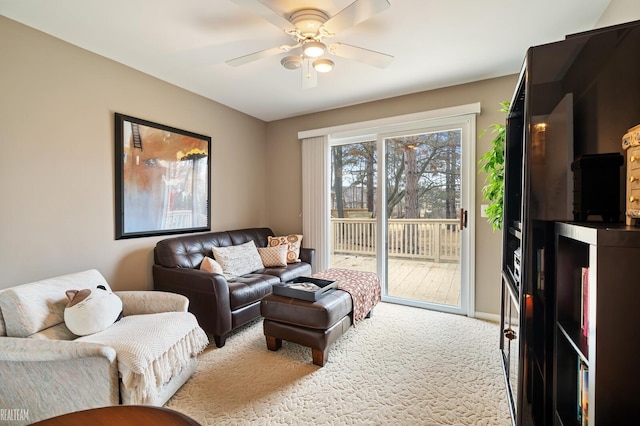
(90, 311)
(273, 256)
(293, 243)
(210, 265)
(238, 260)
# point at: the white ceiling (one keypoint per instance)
(435, 43)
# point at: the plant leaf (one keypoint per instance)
(492, 163)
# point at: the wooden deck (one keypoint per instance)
(412, 279)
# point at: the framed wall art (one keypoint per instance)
(162, 177)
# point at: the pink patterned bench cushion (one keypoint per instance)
(364, 288)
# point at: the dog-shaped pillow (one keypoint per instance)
(91, 310)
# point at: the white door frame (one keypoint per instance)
(467, 199)
(364, 130)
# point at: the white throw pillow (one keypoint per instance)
(90, 311)
(238, 260)
(273, 256)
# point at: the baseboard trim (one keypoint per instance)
(487, 316)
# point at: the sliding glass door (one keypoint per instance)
(423, 247)
(354, 176)
(398, 208)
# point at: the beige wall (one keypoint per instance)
(284, 150)
(56, 159)
(619, 11)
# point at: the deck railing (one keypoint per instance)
(432, 239)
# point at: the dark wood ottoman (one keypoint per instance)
(313, 324)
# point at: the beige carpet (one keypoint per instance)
(403, 366)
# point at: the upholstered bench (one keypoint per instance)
(319, 324)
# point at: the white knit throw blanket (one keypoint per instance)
(151, 349)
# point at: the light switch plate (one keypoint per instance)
(483, 210)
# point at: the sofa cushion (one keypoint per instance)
(249, 289)
(273, 256)
(293, 242)
(30, 308)
(57, 332)
(289, 272)
(257, 235)
(238, 260)
(188, 251)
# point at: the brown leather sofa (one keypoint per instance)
(220, 306)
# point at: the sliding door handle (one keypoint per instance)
(463, 219)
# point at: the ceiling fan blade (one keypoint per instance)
(356, 12)
(266, 13)
(370, 57)
(309, 75)
(241, 60)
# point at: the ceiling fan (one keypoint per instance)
(309, 27)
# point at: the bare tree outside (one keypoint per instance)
(353, 171)
(423, 176)
(337, 186)
(422, 181)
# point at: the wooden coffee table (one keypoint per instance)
(121, 415)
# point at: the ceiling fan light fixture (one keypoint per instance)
(291, 62)
(323, 65)
(308, 21)
(313, 49)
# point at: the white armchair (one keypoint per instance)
(46, 371)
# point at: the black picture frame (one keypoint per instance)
(162, 179)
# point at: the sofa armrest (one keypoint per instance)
(151, 302)
(208, 295)
(47, 378)
(36, 350)
(308, 255)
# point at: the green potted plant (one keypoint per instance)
(492, 163)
